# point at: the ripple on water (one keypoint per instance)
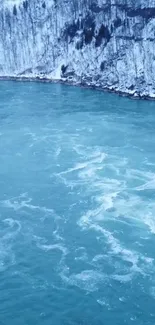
(88, 280)
(10, 229)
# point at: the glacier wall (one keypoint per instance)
(107, 43)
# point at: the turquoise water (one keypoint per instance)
(77, 207)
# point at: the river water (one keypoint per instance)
(77, 207)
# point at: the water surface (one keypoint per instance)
(77, 207)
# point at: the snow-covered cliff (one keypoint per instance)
(109, 43)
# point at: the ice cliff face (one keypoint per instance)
(109, 43)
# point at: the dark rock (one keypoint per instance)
(89, 29)
(102, 34)
(25, 4)
(15, 10)
(131, 87)
(111, 28)
(63, 68)
(71, 30)
(145, 13)
(97, 77)
(44, 5)
(102, 66)
(117, 22)
(8, 18)
(69, 74)
(79, 44)
(95, 8)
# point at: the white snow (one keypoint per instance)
(32, 43)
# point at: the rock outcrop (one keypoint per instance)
(106, 43)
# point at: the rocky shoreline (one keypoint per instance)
(130, 94)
